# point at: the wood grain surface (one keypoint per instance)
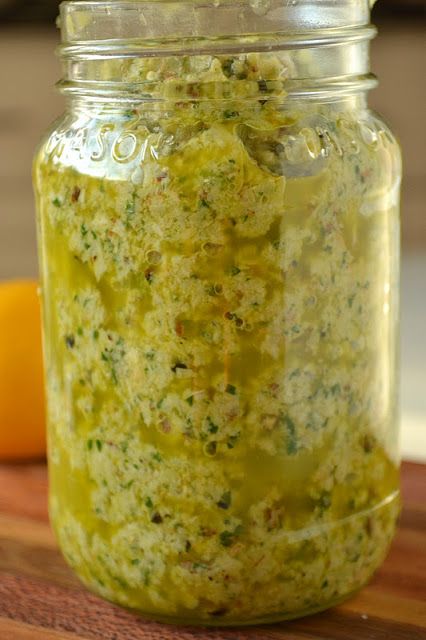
(40, 599)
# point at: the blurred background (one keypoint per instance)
(29, 103)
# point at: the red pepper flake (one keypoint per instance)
(180, 329)
(193, 91)
(166, 427)
(273, 517)
(75, 194)
(274, 387)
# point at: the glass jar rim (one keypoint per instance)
(312, 32)
(104, 27)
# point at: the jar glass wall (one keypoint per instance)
(219, 248)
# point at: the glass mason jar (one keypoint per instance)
(219, 242)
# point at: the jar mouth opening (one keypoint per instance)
(108, 46)
(109, 28)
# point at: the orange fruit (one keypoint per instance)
(22, 408)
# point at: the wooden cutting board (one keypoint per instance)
(40, 599)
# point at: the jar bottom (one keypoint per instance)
(275, 618)
(349, 551)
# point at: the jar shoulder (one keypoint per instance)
(289, 140)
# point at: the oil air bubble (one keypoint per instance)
(154, 257)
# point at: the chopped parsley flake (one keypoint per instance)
(225, 501)
(212, 427)
(228, 114)
(70, 341)
(228, 538)
(292, 447)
